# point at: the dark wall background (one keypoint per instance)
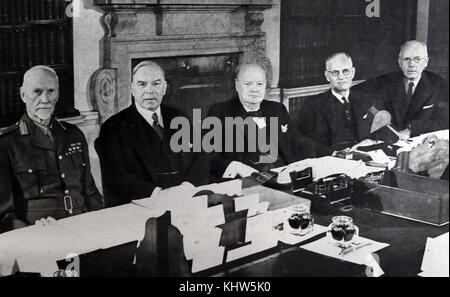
(438, 37)
(313, 29)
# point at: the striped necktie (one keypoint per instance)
(157, 127)
(347, 109)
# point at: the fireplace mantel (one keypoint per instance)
(182, 2)
(141, 29)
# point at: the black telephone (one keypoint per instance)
(329, 193)
(301, 179)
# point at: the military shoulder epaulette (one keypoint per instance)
(61, 124)
(9, 129)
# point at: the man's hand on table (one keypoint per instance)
(45, 221)
(404, 134)
(237, 168)
(365, 142)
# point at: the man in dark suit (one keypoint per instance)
(417, 99)
(44, 163)
(339, 118)
(134, 145)
(250, 105)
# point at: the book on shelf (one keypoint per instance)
(52, 46)
(61, 46)
(40, 38)
(25, 11)
(21, 48)
(2, 96)
(29, 47)
(42, 9)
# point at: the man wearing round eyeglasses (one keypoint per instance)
(339, 118)
(417, 99)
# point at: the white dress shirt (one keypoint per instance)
(260, 121)
(339, 96)
(415, 82)
(148, 115)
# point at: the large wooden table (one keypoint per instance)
(403, 257)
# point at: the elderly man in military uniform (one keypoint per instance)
(44, 163)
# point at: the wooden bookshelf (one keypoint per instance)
(311, 30)
(34, 32)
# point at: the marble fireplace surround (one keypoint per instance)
(137, 29)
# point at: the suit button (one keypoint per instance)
(63, 175)
(30, 170)
(42, 191)
(67, 192)
(60, 157)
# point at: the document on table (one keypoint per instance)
(246, 202)
(200, 240)
(111, 226)
(172, 198)
(230, 188)
(436, 257)
(361, 255)
(325, 166)
(415, 141)
(207, 259)
(50, 242)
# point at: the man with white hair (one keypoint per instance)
(339, 118)
(250, 105)
(44, 163)
(417, 99)
(134, 144)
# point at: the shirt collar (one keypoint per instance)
(248, 109)
(414, 81)
(148, 114)
(46, 130)
(339, 96)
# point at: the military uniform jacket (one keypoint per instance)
(40, 177)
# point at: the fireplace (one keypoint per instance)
(199, 44)
(198, 81)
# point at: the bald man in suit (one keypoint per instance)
(339, 118)
(417, 99)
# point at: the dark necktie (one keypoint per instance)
(347, 109)
(409, 95)
(255, 114)
(158, 129)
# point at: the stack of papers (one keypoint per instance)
(325, 166)
(435, 258)
(34, 243)
(360, 254)
(415, 141)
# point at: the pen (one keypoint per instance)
(353, 248)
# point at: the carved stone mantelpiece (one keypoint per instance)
(137, 29)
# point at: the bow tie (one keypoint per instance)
(255, 114)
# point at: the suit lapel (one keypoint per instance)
(136, 131)
(421, 95)
(397, 95)
(329, 114)
(283, 146)
(168, 115)
(360, 108)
